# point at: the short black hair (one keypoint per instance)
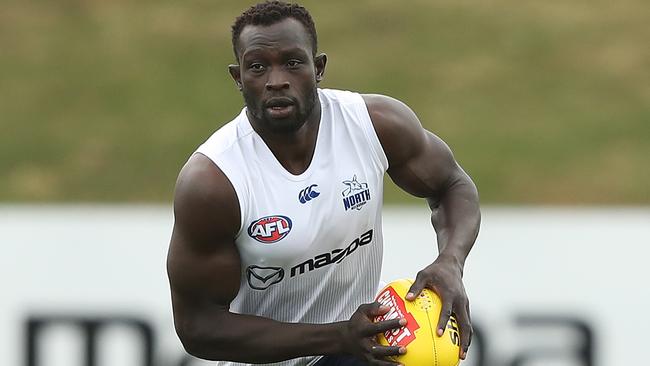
(271, 12)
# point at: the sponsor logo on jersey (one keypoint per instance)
(308, 194)
(270, 229)
(334, 257)
(355, 195)
(397, 309)
(261, 278)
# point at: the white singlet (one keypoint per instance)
(310, 244)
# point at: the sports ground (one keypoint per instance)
(542, 102)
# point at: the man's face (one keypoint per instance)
(277, 74)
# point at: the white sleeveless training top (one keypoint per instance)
(310, 244)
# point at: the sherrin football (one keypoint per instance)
(419, 335)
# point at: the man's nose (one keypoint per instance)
(277, 80)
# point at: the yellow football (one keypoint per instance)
(419, 336)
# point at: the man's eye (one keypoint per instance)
(256, 67)
(293, 63)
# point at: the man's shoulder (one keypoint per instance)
(200, 176)
(378, 105)
(384, 106)
(205, 204)
(201, 181)
(398, 128)
(389, 114)
(226, 136)
(339, 96)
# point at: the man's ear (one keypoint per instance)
(320, 61)
(235, 74)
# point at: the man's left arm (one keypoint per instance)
(422, 164)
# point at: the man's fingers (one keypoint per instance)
(379, 355)
(415, 289)
(381, 327)
(373, 309)
(466, 331)
(383, 351)
(445, 313)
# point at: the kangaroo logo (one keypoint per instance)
(308, 194)
(356, 194)
(353, 186)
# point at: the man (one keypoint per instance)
(276, 249)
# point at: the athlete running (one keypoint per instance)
(276, 251)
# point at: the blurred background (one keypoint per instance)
(545, 104)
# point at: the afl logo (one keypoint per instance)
(270, 229)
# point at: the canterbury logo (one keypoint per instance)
(308, 194)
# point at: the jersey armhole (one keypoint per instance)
(371, 134)
(236, 182)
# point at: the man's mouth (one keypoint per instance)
(279, 107)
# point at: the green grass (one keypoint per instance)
(542, 102)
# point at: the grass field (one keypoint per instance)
(542, 102)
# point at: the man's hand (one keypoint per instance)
(359, 335)
(445, 278)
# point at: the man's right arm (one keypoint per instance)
(203, 265)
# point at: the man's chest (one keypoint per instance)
(287, 220)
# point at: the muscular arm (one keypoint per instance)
(423, 165)
(204, 271)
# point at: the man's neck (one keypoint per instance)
(294, 150)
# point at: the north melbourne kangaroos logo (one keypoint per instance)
(355, 195)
